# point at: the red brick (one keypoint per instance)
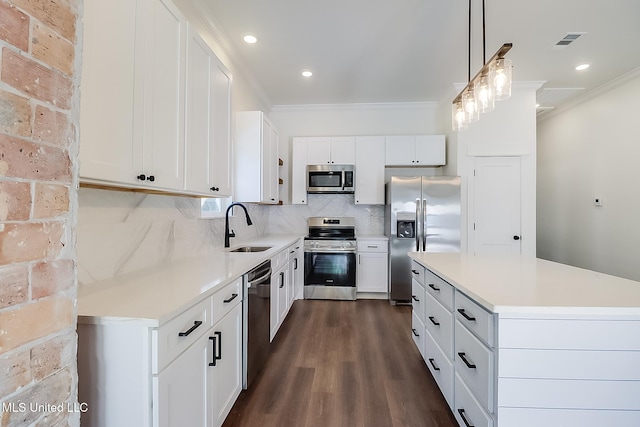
(50, 200)
(36, 80)
(52, 356)
(51, 277)
(57, 14)
(52, 49)
(15, 286)
(16, 372)
(29, 241)
(14, 26)
(15, 201)
(34, 320)
(52, 127)
(15, 114)
(24, 159)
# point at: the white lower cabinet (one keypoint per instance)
(286, 269)
(372, 268)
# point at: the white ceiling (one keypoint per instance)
(371, 51)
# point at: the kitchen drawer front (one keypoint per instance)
(468, 411)
(417, 272)
(536, 417)
(440, 366)
(279, 260)
(372, 246)
(417, 333)
(440, 289)
(476, 318)
(226, 299)
(439, 323)
(475, 363)
(418, 299)
(172, 338)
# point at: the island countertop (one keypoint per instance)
(516, 284)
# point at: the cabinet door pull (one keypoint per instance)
(233, 296)
(213, 360)
(466, 316)
(466, 423)
(466, 362)
(415, 271)
(415, 332)
(295, 263)
(151, 178)
(215, 189)
(219, 355)
(433, 320)
(191, 329)
(434, 287)
(414, 298)
(282, 279)
(433, 364)
(141, 177)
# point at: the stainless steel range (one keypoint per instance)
(330, 258)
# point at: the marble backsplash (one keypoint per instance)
(120, 232)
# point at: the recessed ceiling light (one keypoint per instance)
(250, 39)
(582, 67)
(307, 73)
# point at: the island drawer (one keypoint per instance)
(439, 322)
(172, 338)
(467, 410)
(417, 333)
(440, 289)
(440, 366)
(226, 299)
(417, 272)
(476, 318)
(418, 299)
(474, 362)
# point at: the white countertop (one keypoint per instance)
(518, 285)
(155, 295)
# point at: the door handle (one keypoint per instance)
(516, 237)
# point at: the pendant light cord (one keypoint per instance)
(469, 50)
(484, 41)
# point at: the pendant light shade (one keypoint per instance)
(484, 94)
(458, 117)
(470, 106)
(500, 78)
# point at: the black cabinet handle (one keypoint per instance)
(215, 189)
(466, 362)
(233, 296)
(434, 287)
(415, 271)
(466, 316)
(295, 263)
(466, 423)
(219, 335)
(141, 177)
(415, 332)
(151, 178)
(213, 361)
(433, 320)
(282, 279)
(191, 329)
(433, 364)
(516, 237)
(414, 298)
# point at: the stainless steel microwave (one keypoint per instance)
(330, 178)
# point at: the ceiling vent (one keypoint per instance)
(567, 40)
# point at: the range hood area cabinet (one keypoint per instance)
(339, 150)
(256, 158)
(158, 111)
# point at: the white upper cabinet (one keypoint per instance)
(299, 171)
(334, 150)
(415, 150)
(208, 139)
(369, 170)
(256, 155)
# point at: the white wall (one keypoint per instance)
(592, 150)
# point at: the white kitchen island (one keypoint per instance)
(515, 341)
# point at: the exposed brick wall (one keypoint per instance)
(38, 211)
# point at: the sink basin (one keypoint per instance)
(251, 249)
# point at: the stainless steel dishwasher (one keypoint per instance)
(256, 318)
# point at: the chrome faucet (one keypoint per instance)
(227, 233)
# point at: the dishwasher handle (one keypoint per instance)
(260, 279)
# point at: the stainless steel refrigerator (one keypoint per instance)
(421, 214)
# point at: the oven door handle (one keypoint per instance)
(329, 251)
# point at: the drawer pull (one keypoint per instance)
(414, 298)
(415, 271)
(466, 423)
(233, 296)
(466, 316)
(415, 332)
(191, 329)
(466, 362)
(433, 320)
(433, 364)
(434, 287)
(215, 347)
(372, 246)
(219, 335)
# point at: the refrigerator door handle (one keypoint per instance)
(424, 225)
(418, 231)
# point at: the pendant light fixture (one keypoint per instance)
(492, 83)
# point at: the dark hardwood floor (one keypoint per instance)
(343, 363)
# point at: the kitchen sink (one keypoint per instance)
(251, 249)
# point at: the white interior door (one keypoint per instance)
(494, 194)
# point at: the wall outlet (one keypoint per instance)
(597, 201)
